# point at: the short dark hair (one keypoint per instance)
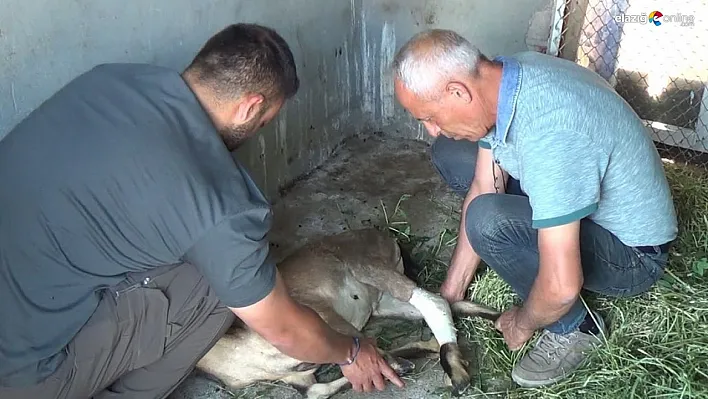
(244, 59)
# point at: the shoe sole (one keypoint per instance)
(536, 384)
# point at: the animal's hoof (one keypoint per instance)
(404, 366)
(400, 365)
(455, 367)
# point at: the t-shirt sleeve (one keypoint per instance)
(562, 175)
(485, 142)
(234, 258)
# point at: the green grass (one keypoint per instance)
(658, 341)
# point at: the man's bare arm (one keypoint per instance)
(295, 329)
(465, 260)
(559, 279)
(301, 333)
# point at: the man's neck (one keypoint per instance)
(490, 76)
(206, 100)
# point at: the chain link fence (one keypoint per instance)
(655, 55)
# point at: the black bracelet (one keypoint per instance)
(356, 352)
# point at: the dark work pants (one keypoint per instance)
(144, 338)
(499, 229)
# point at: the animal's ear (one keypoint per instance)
(411, 268)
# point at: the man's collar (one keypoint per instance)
(508, 94)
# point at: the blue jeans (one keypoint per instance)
(499, 229)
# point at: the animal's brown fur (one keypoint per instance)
(346, 279)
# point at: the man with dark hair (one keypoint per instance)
(129, 237)
(244, 60)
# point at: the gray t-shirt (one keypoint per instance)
(120, 171)
(579, 150)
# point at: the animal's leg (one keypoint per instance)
(434, 308)
(325, 390)
(473, 309)
(385, 280)
(389, 306)
(438, 315)
(422, 304)
(417, 349)
(301, 382)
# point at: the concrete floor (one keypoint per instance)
(347, 193)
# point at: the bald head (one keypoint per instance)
(433, 57)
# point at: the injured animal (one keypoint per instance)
(346, 278)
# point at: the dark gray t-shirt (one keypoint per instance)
(120, 171)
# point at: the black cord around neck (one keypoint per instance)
(494, 175)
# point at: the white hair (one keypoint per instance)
(432, 57)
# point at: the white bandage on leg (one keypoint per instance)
(436, 312)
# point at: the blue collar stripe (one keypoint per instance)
(508, 94)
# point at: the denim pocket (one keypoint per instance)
(635, 274)
(653, 264)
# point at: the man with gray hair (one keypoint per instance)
(563, 189)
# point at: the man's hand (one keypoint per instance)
(453, 289)
(369, 369)
(515, 334)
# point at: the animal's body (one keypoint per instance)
(346, 278)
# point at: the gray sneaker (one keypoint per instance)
(555, 356)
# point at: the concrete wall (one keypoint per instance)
(342, 49)
(496, 27)
(44, 44)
